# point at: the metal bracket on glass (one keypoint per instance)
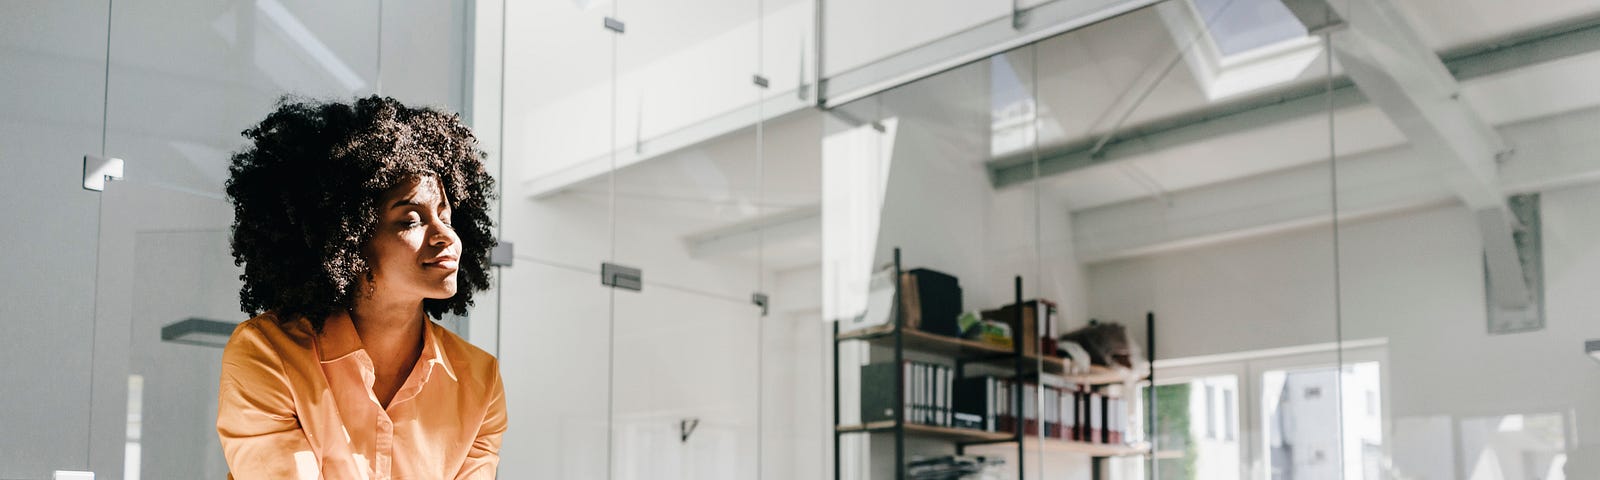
(1512, 309)
(1019, 16)
(759, 80)
(615, 25)
(760, 299)
(502, 255)
(618, 276)
(98, 170)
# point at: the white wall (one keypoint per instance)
(1415, 279)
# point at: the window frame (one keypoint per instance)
(1249, 368)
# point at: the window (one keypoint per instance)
(1193, 417)
(1284, 414)
(1234, 47)
(1239, 26)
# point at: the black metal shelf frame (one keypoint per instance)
(898, 427)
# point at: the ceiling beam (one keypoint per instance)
(1555, 154)
(1387, 59)
(1298, 101)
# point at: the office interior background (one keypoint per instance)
(1361, 236)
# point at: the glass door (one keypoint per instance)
(185, 79)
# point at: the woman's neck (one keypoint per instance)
(388, 327)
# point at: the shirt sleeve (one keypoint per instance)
(261, 436)
(484, 456)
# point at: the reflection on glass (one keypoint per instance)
(1302, 431)
(1514, 447)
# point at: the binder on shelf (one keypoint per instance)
(1081, 401)
(880, 396)
(973, 398)
(1053, 413)
(1097, 417)
(919, 386)
(1069, 418)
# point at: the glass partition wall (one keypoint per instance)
(1351, 236)
(1166, 169)
(666, 201)
(121, 270)
(1468, 241)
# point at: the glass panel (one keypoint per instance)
(557, 354)
(186, 78)
(968, 251)
(1476, 277)
(1181, 195)
(688, 348)
(52, 62)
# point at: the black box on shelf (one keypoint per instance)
(936, 302)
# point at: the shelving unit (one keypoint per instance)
(963, 352)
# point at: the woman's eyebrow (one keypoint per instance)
(406, 202)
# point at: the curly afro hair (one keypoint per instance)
(305, 194)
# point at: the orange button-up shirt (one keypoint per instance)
(295, 404)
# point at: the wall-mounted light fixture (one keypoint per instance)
(198, 331)
(1592, 347)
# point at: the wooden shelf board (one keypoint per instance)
(927, 342)
(917, 429)
(1049, 445)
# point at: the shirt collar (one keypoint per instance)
(339, 339)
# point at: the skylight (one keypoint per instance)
(1238, 26)
(1235, 47)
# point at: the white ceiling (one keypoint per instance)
(1082, 75)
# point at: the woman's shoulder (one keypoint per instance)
(267, 332)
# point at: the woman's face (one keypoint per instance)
(415, 251)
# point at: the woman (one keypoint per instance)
(354, 224)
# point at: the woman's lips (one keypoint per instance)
(444, 264)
